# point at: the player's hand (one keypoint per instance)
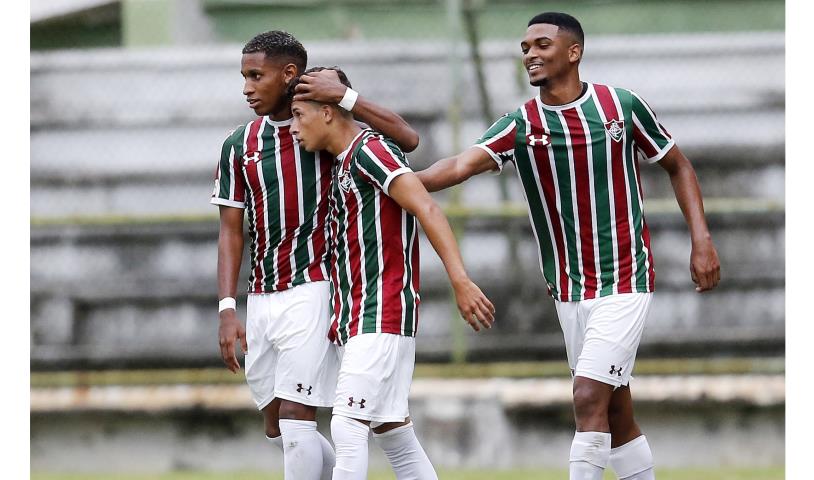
(322, 86)
(705, 269)
(475, 308)
(231, 330)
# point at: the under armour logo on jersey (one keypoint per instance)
(300, 388)
(615, 128)
(614, 370)
(538, 140)
(351, 402)
(251, 157)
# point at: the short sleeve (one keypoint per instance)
(380, 162)
(230, 189)
(651, 139)
(499, 140)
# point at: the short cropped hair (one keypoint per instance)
(563, 21)
(343, 78)
(279, 45)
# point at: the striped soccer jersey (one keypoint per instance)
(374, 265)
(580, 175)
(286, 192)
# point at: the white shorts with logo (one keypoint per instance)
(374, 377)
(603, 334)
(290, 356)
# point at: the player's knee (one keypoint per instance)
(272, 430)
(589, 401)
(296, 411)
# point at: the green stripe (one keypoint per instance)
(310, 186)
(525, 171)
(563, 167)
(371, 168)
(409, 298)
(604, 223)
(341, 263)
(647, 120)
(268, 164)
(370, 261)
(625, 98)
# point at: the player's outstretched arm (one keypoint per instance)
(230, 255)
(408, 192)
(705, 269)
(324, 87)
(454, 170)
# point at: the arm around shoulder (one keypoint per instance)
(457, 169)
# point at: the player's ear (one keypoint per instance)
(327, 113)
(575, 53)
(290, 71)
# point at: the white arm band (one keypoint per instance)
(349, 100)
(226, 303)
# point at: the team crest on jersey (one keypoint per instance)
(615, 128)
(251, 157)
(542, 140)
(344, 179)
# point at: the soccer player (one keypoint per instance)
(291, 366)
(375, 202)
(574, 147)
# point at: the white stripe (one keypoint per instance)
(594, 220)
(533, 164)
(611, 198)
(569, 148)
(652, 115)
(231, 172)
(408, 263)
(300, 213)
(379, 257)
(495, 138)
(558, 203)
(228, 203)
(634, 263)
(262, 181)
(402, 297)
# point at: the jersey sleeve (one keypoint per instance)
(230, 189)
(649, 136)
(499, 139)
(380, 162)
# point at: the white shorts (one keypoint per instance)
(290, 356)
(375, 376)
(603, 334)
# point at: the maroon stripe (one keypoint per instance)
(383, 154)
(290, 220)
(643, 142)
(582, 182)
(257, 199)
(546, 178)
(240, 188)
(337, 302)
(319, 235)
(623, 240)
(504, 143)
(354, 246)
(392, 270)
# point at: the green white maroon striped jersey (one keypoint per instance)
(374, 265)
(286, 191)
(580, 175)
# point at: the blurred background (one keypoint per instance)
(131, 100)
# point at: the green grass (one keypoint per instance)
(776, 473)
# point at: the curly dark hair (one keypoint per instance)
(562, 20)
(279, 45)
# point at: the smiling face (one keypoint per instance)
(265, 82)
(549, 53)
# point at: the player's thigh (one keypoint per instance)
(307, 361)
(375, 377)
(261, 358)
(613, 330)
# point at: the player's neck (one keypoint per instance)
(282, 115)
(344, 134)
(561, 92)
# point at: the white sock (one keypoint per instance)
(408, 459)
(350, 438)
(633, 460)
(276, 441)
(328, 458)
(302, 449)
(590, 452)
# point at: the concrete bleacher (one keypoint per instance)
(124, 142)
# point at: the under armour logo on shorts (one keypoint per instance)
(351, 402)
(300, 388)
(614, 370)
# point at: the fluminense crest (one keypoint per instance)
(615, 128)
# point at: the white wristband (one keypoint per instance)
(349, 100)
(226, 303)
